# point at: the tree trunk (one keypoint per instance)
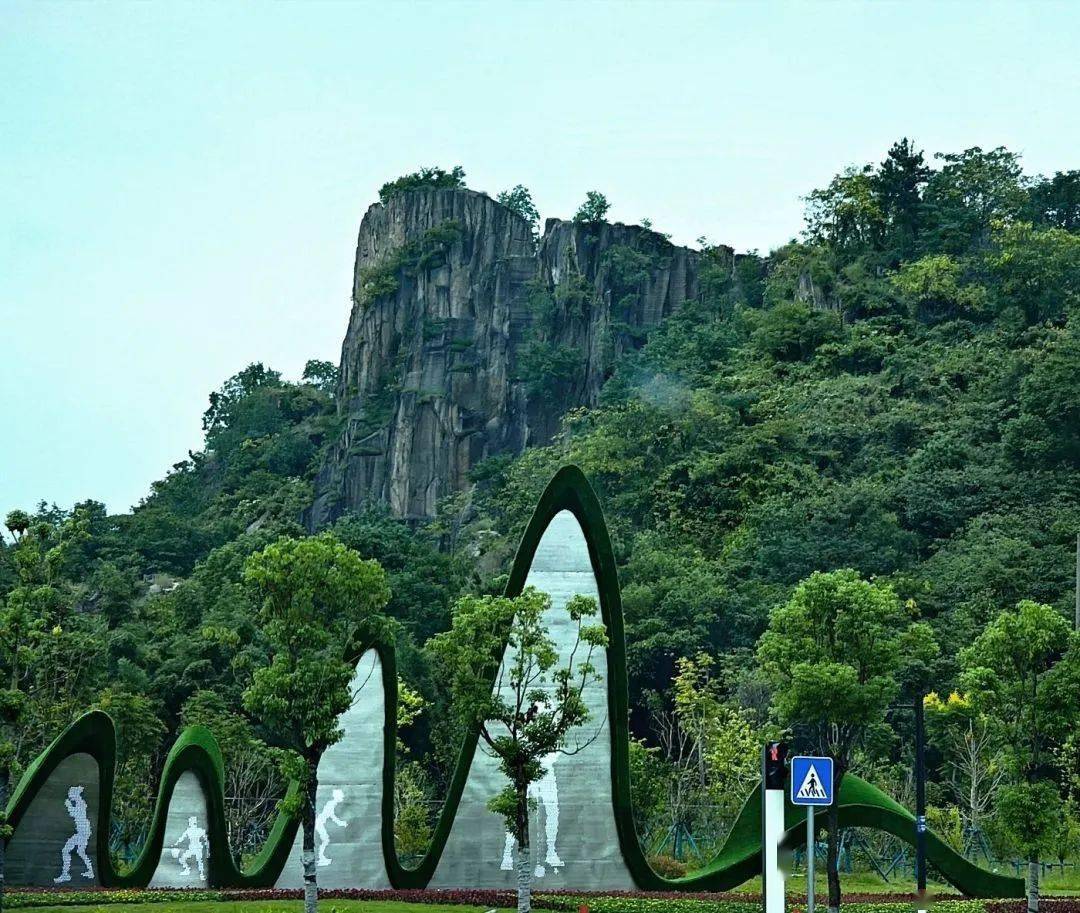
(1033, 884)
(524, 879)
(524, 856)
(311, 887)
(832, 865)
(4, 776)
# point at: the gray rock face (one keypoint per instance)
(470, 338)
(611, 286)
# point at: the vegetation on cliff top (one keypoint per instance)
(431, 178)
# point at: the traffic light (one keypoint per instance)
(775, 774)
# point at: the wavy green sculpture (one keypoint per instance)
(92, 739)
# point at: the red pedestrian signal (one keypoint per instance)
(775, 772)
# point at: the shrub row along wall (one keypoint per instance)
(583, 833)
(635, 902)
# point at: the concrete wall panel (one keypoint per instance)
(56, 843)
(573, 835)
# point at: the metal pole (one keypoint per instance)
(810, 859)
(1076, 623)
(920, 797)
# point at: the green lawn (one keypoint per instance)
(264, 906)
(852, 882)
(1051, 885)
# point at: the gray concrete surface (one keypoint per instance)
(58, 835)
(349, 799)
(185, 853)
(584, 849)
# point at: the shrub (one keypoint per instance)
(434, 178)
(569, 901)
(49, 898)
(593, 209)
(548, 367)
(419, 255)
(520, 201)
(667, 866)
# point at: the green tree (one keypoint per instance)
(224, 402)
(1015, 674)
(935, 288)
(967, 742)
(594, 209)
(674, 602)
(836, 654)
(17, 656)
(322, 374)
(1047, 428)
(139, 734)
(537, 699)
(316, 597)
(1055, 202)
(973, 190)
(424, 581)
(899, 183)
(712, 752)
(65, 646)
(550, 368)
(793, 331)
(1037, 272)
(17, 523)
(412, 824)
(520, 201)
(847, 214)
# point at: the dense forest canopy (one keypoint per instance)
(897, 393)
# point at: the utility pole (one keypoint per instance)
(920, 798)
(1076, 621)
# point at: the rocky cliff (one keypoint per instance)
(470, 337)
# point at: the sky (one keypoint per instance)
(181, 183)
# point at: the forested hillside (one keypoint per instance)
(897, 393)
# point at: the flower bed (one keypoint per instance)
(565, 901)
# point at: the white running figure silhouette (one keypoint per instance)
(329, 813)
(545, 791)
(80, 840)
(198, 847)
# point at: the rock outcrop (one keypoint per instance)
(469, 337)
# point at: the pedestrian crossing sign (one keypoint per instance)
(811, 781)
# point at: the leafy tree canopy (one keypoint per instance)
(430, 177)
(519, 200)
(594, 209)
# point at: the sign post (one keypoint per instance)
(811, 786)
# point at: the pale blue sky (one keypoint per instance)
(181, 184)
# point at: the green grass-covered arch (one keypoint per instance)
(739, 859)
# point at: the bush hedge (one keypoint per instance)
(60, 898)
(567, 901)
